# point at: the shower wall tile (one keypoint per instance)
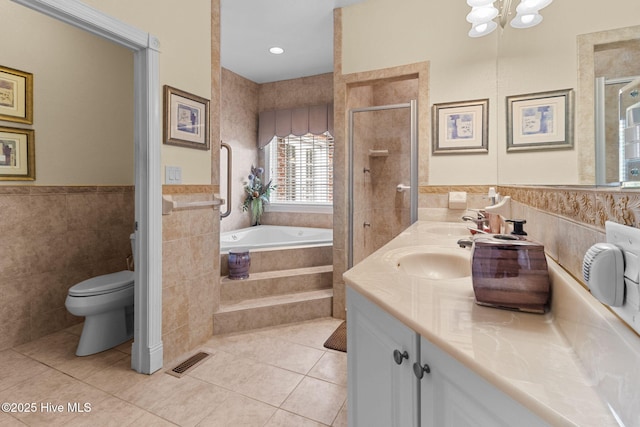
(57, 237)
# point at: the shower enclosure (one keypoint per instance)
(383, 175)
(610, 167)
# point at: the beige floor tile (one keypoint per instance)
(312, 333)
(152, 420)
(341, 419)
(18, 368)
(270, 385)
(7, 420)
(117, 377)
(191, 401)
(225, 369)
(247, 378)
(331, 367)
(287, 419)
(51, 390)
(51, 349)
(109, 412)
(239, 410)
(316, 399)
(266, 348)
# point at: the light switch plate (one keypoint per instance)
(628, 239)
(172, 175)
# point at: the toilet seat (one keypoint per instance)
(105, 284)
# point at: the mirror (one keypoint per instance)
(608, 61)
(613, 56)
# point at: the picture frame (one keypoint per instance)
(461, 127)
(540, 121)
(186, 119)
(17, 154)
(16, 96)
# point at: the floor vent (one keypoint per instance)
(183, 367)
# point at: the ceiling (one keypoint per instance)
(303, 28)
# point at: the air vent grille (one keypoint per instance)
(191, 362)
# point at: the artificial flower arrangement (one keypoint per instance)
(257, 194)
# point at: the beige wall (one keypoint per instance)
(184, 31)
(83, 109)
(242, 100)
(384, 33)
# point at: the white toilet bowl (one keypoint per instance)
(106, 302)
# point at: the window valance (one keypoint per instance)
(316, 119)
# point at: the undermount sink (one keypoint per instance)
(451, 229)
(433, 263)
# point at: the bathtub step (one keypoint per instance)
(271, 283)
(279, 259)
(271, 311)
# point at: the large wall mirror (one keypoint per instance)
(570, 54)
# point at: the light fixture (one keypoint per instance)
(276, 50)
(483, 13)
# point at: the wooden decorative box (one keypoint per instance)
(510, 272)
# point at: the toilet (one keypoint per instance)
(106, 302)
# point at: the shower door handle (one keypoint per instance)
(401, 188)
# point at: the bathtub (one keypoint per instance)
(274, 236)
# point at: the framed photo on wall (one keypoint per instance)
(16, 96)
(461, 127)
(540, 121)
(186, 119)
(17, 154)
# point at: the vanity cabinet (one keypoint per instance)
(385, 360)
(381, 392)
(452, 395)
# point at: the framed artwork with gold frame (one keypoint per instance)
(186, 119)
(16, 96)
(17, 154)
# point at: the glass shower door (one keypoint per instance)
(383, 172)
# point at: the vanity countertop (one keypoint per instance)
(576, 365)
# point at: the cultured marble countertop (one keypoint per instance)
(551, 363)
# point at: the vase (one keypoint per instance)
(256, 211)
(239, 262)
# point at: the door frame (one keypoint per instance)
(147, 348)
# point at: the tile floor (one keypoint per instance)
(279, 376)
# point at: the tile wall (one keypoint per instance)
(52, 238)
(190, 271)
(566, 220)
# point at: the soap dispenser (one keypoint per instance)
(518, 226)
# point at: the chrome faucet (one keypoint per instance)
(480, 220)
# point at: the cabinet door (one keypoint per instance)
(381, 392)
(454, 396)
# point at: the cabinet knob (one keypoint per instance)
(419, 370)
(399, 357)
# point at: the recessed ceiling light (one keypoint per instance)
(276, 50)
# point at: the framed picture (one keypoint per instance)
(461, 127)
(17, 154)
(540, 121)
(16, 96)
(186, 119)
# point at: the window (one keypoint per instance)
(301, 167)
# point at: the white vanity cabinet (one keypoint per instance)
(451, 395)
(382, 392)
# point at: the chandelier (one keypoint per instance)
(483, 14)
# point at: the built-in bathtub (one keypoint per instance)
(274, 236)
(290, 278)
